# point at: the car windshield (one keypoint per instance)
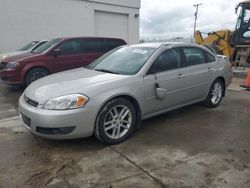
(28, 46)
(46, 46)
(123, 60)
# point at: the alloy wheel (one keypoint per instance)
(216, 93)
(117, 121)
(37, 75)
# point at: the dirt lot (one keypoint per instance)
(190, 147)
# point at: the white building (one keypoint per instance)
(22, 21)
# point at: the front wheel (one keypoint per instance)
(215, 94)
(116, 121)
(35, 74)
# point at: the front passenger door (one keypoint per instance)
(70, 56)
(166, 73)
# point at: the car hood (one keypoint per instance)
(68, 82)
(5, 55)
(19, 57)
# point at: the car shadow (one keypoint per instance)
(11, 93)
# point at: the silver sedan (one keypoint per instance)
(111, 96)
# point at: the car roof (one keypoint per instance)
(93, 37)
(167, 44)
(173, 44)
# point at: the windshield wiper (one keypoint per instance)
(107, 71)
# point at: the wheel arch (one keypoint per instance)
(222, 79)
(130, 98)
(26, 71)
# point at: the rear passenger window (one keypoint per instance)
(194, 56)
(209, 57)
(168, 60)
(94, 46)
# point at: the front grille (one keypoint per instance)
(30, 101)
(26, 120)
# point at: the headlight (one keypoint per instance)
(3, 57)
(12, 65)
(67, 102)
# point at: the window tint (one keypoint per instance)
(210, 58)
(114, 43)
(46, 46)
(40, 44)
(94, 45)
(28, 46)
(70, 47)
(194, 56)
(168, 60)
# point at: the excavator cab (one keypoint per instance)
(241, 35)
(235, 45)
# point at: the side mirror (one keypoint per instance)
(56, 52)
(160, 92)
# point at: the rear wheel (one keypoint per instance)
(215, 94)
(35, 74)
(116, 121)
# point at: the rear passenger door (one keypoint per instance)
(198, 73)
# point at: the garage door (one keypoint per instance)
(111, 24)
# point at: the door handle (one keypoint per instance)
(181, 75)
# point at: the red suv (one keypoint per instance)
(57, 55)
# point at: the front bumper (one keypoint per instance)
(36, 119)
(10, 76)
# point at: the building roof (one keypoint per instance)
(125, 3)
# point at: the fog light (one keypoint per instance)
(55, 131)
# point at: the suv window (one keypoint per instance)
(113, 43)
(38, 45)
(168, 60)
(210, 58)
(194, 56)
(46, 46)
(70, 47)
(93, 45)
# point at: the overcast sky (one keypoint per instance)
(175, 18)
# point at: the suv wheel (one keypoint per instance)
(35, 74)
(215, 94)
(116, 121)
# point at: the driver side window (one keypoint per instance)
(168, 60)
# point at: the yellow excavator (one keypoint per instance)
(233, 44)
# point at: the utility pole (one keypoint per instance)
(196, 16)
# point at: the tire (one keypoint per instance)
(116, 121)
(215, 94)
(35, 74)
